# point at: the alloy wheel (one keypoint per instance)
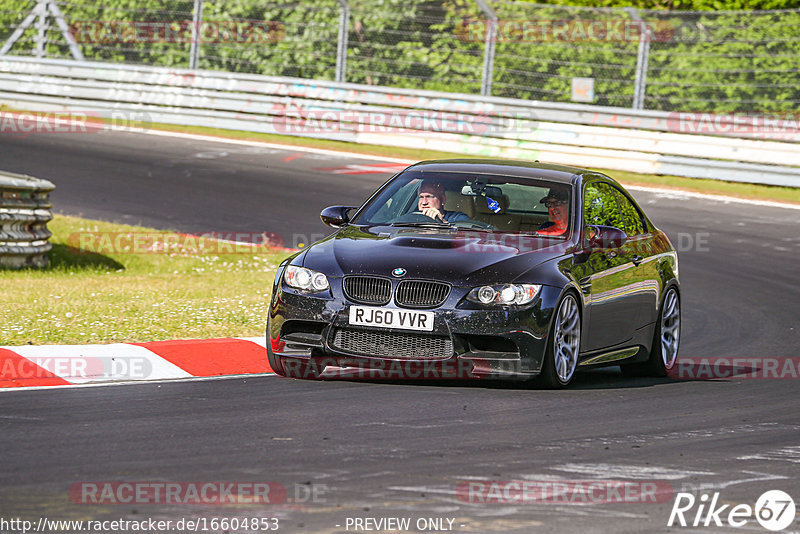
(670, 328)
(567, 339)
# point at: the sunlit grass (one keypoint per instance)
(112, 296)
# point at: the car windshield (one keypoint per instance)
(472, 201)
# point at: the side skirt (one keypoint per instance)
(612, 357)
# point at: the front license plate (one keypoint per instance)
(391, 318)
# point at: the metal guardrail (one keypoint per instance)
(589, 136)
(627, 57)
(25, 210)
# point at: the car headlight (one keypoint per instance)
(305, 279)
(504, 294)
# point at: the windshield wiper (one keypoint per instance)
(424, 224)
(480, 229)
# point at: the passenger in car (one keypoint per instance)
(557, 203)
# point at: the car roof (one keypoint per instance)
(503, 167)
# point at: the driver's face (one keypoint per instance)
(428, 200)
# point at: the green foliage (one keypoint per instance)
(728, 62)
(297, 39)
(689, 5)
(705, 60)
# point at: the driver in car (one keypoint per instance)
(431, 203)
(557, 203)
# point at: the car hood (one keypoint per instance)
(457, 256)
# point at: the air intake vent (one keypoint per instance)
(421, 294)
(368, 289)
(392, 345)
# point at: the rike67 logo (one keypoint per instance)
(774, 511)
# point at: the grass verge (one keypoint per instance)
(182, 291)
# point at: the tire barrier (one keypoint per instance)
(25, 210)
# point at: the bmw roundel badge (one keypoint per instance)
(399, 271)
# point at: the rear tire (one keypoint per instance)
(564, 345)
(666, 339)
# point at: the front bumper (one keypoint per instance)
(504, 342)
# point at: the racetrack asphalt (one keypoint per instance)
(374, 449)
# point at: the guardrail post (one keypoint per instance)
(39, 13)
(341, 47)
(25, 210)
(41, 28)
(642, 59)
(62, 25)
(488, 52)
(19, 31)
(197, 21)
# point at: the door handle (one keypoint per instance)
(636, 259)
(586, 285)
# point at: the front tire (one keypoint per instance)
(275, 363)
(666, 339)
(290, 367)
(563, 347)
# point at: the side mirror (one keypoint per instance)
(604, 237)
(335, 216)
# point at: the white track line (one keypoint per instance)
(81, 364)
(339, 153)
(110, 364)
(719, 198)
(261, 340)
(354, 155)
(136, 382)
(245, 142)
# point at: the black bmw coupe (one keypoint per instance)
(480, 268)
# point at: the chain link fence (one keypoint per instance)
(722, 61)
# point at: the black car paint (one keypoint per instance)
(619, 297)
